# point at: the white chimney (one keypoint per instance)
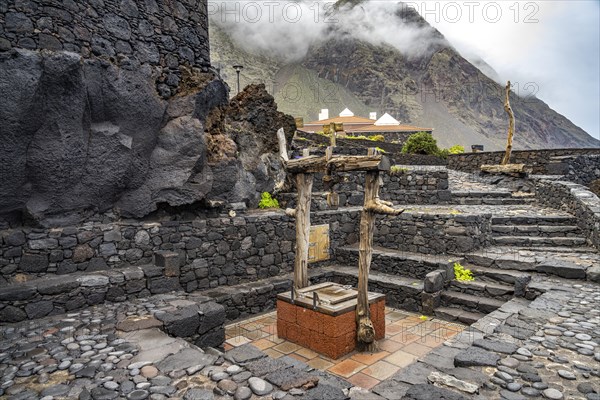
(373, 116)
(324, 114)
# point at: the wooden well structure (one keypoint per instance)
(330, 305)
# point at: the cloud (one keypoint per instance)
(287, 29)
(551, 45)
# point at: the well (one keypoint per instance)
(323, 318)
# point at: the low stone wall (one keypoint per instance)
(62, 294)
(434, 233)
(536, 160)
(357, 147)
(214, 252)
(249, 299)
(575, 199)
(410, 185)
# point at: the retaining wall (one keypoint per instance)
(575, 199)
(536, 160)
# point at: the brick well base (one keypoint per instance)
(332, 336)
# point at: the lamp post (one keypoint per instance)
(238, 69)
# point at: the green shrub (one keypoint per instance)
(456, 149)
(267, 201)
(377, 138)
(443, 153)
(421, 143)
(461, 274)
(398, 170)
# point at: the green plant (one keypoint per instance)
(267, 201)
(443, 153)
(421, 143)
(379, 149)
(398, 170)
(462, 274)
(359, 137)
(456, 149)
(377, 138)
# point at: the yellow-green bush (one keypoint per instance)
(462, 274)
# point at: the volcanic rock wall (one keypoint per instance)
(110, 106)
(165, 34)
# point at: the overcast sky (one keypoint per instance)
(555, 44)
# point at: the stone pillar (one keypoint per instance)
(432, 290)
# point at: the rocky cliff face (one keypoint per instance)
(82, 136)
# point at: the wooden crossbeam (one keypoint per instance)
(359, 163)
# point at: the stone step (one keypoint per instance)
(483, 288)
(458, 314)
(496, 275)
(537, 230)
(471, 303)
(399, 263)
(496, 194)
(534, 220)
(539, 241)
(492, 201)
(565, 262)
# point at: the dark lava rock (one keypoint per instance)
(476, 357)
(430, 392)
(496, 346)
(324, 392)
(116, 147)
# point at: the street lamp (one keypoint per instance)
(238, 69)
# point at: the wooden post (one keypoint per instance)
(333, 134)
(372, 205)
(366, 331)
(511, 125)
(304, 183)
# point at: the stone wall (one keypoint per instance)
(214, 252)
(166, 34)
(583, 169)
(575, 199)
(434, 233)
(221, 251)
(409, 185)
(536, 160)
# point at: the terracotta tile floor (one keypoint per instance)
(407, 339)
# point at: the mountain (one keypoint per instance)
(420, 81)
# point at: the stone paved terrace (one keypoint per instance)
(546, 348)
(408, 337)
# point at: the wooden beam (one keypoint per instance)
(308, 164)
(359, 163)
(517, 170)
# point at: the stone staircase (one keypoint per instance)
(537, 231)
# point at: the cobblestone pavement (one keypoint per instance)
(547, 348)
